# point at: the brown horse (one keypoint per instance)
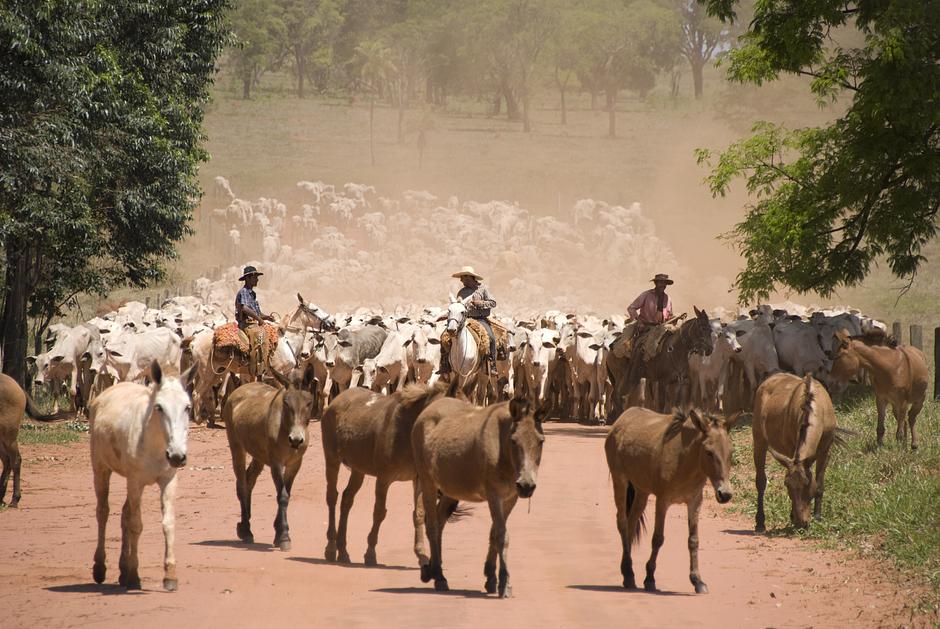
(371, 434)
(793, 414)
(670, 457)
(270, 424)
(490, 454)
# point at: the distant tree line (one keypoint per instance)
(403, 51)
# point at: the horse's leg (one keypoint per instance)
(418, 517)
(881, 404)
(378, 514)
(760, 478)
(167, 498)
(281, 532)
(243, 528)
(693, 508)
(102, 477)
(649, 584)
(134, 527)
(349, 495)
(332, 477)
(912, 414)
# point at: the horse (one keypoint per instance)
(465, 359)
(670, 457)
(371, 434)
(793, 414)
(490, 454)
(270, 424)
(14, 402)
(140, 432)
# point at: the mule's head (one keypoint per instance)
(701, 337)
(296, 408)
(171, 407)
(525, 439)
(321, 318)
(801, 486)
(716, 452)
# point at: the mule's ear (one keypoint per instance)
(518, 407)
(541, 415)
(300, 299)
(696, 310)
(698, 421)
(732, 420)
(782, 459)
(156, 373)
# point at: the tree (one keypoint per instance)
(259, 35)
(100, 130)
(701, 36)
(376, 69)
(312, 27)
(831, 201)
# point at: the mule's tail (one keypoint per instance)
(33, 413)
(640, 527)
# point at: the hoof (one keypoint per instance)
(649, 585)
(490, 586)
(505, 591)
(913, 449)
(760, 528)
(441, 585)
(170, 585)
(98, 572)
(701, 588)
(370, 559)
(244, 533)
(344, 557)
(425, 573)
(16, 501)
(629, 584)
(133, 584)
(330, 553)
(122, 579)
(284, 544)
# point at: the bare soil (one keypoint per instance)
(564, 559)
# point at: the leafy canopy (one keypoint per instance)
(830, 202)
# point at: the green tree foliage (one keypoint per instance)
(259, 36)
(702, 35)
(100, 126)
(830, 202)
(376, 71)
(312, 28)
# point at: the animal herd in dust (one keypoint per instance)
(142, 375)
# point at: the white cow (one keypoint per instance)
(130, 356)
(389, 369)
(588, 359)
(709, 374)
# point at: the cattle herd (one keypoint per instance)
(142, 375)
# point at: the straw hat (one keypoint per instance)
(249, 270)
(662, 277)
(467, 270)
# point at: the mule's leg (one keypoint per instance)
(243, 528)
(429, 501)
(900, 415)
(693, 510)
(822, 460)
(881, 404)
(5, 475)
(134, 527)
(912, 414)
(167, 500)
(418, 518)
(445, 507)
(760, 476)
(332, 477)
(349, 495)
(623, 518)
(102, 478)
(378, 515)
(17, 462)
(649, 584)
(281, 532)
(504, 589)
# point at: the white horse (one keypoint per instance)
(465, 359)
(139, 432)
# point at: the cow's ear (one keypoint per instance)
(56, 359)
(406, 343)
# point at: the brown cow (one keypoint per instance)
(13, 404)
(371, 434)
(793, 414)
(671, 457)
(270, 424)
(898, 375)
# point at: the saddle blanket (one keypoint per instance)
(229, 336)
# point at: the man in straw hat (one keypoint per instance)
(480, 304)
(250, 318)
(653, 306)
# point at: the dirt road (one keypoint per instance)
(564, 558)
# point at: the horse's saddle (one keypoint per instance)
(646, 340)
(230, 337)
(482, 339)
(654, 337)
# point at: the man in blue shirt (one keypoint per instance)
(250, 318)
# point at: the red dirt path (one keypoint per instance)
(564, 558)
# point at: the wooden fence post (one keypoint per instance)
(936, 362)
(917, 336)
(896, 331)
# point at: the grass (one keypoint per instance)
(58, 434)
(882, 502)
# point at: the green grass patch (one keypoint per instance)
(884, 502)
(59, 433)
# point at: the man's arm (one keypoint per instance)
(633, 309)
(485, 300)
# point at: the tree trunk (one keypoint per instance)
(593, 99)
(371, 128)
(14, 333)
(564, 108)
(402, 99)
(697, 79)
(526, 118)
(246, 87)
(301, 73)
(512, 105)
(612, 112)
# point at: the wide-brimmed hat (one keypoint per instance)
(467, 270)
(249, 270)
(662, 277)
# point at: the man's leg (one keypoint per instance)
(254, 350)
(445, 352)
(492, 355)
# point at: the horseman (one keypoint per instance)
(479, 305)
(653, 306)
(250, 318)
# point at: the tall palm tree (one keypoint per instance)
(377, 67)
